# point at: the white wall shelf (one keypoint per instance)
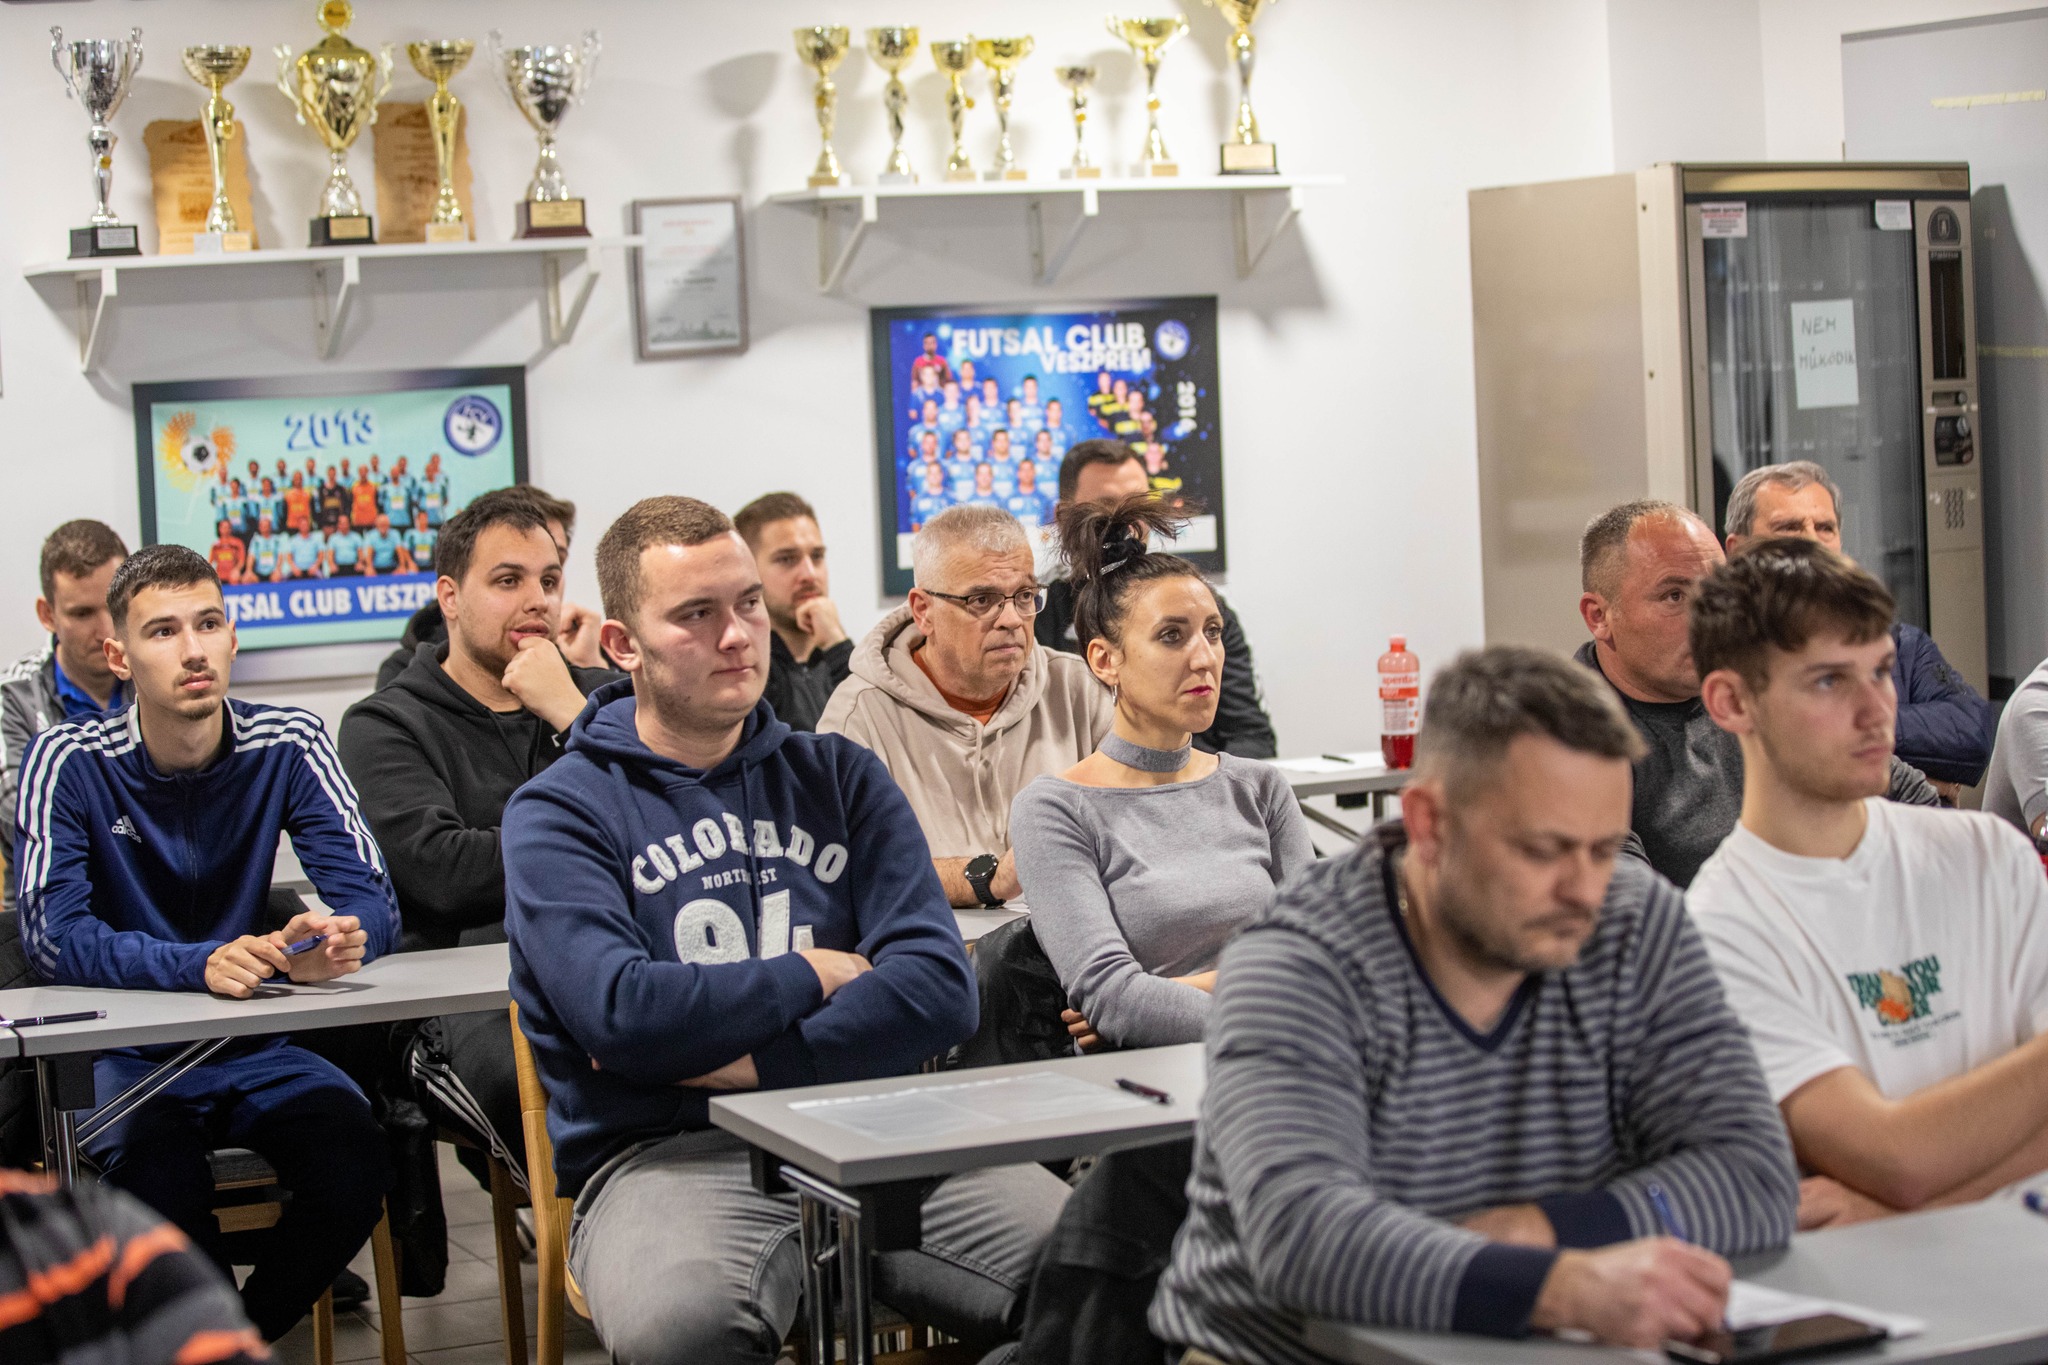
(334, 273)
(1057, 210)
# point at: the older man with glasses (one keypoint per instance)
(964, 710)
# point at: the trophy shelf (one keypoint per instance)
(1057, 212)
(336, 273)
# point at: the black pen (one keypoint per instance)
(1338, 758)
(1159, 1096)
(78, 1018)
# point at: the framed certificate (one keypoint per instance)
(689, 278)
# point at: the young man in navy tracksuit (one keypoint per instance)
(146, 843)
(700, 899)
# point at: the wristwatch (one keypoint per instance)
(979, 873)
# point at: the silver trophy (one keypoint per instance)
(545, 83)
(98, 72)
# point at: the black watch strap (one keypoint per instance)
(980, 871)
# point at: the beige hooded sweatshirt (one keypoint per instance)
(961, 775)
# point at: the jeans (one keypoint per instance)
(297, 1111)
(682, 1260)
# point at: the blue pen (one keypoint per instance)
(1666, 1214)
(2036, 1201)
(304, 945)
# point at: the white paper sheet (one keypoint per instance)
(1754, 1305)
(1824, 353)
(1359, 763)
(936, 1110)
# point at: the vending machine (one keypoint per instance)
(1662, 333)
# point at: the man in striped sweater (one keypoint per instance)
(146, 843)
(1475, 1076)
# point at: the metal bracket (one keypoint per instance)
(92, 314)
(1330, 822)
(1281, 207)
(1046, 265)
(562, 326)
(832, 262)
(330, 316)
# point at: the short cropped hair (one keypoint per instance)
(765, 511)
(988, 529)
(553, 508)
(77, 549)
(1791, 476)
(667, 520)
(1102, 450)
(1488, 698)
(1605, 540)
(1778, 594)
(156, 566)
(521, 507)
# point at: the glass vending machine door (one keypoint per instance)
(1813, 348)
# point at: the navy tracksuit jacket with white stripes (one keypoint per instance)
(128, 876)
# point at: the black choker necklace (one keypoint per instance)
(1147, 760)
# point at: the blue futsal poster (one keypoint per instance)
(320, 501)
(980, 406)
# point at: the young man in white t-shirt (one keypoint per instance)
(1891, 962)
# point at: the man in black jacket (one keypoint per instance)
(809, 652)
(437, 753)
(1106, 470)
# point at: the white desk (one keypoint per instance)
(1342, 775)
(396, 986)
(875, 1185)
(1978, 1275)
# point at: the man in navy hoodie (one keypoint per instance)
(146, 843)
(700, 899)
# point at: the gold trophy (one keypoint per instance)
(334, 89)
(893, 49)
(214, 66)
(438, 61)
(1077, 79)
(822, 49)
(956, 60)
(1148, 38)
(1003, 56)
(1244, 154)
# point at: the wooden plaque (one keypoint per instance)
(181, 178)
(409, 176)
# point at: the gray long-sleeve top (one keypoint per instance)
(1131, 886)
(1352, 1118)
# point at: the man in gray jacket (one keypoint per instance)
(959, 702)
(68, 678)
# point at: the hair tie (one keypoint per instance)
(1119, 549)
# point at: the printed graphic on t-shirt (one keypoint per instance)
(1902, 1001)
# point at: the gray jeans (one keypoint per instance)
(680, 1259)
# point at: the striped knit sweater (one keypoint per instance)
(88, 1276)
(1352, 1117)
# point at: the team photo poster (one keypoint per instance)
(319, 500)
(980, 406)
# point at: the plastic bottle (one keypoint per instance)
(1400, 703)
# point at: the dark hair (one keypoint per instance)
(1485, 699)
(553, 508)
(1104, 546)
(647, 523)
(768, 509)
(77, 549)
(156, 566)
(1606, 538)
(516, 507)
(1084, 453)
(1779, 593)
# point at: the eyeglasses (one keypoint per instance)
(1028, 601)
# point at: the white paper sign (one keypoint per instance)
(1824, 353)
(1724, 220)
(1894, 215)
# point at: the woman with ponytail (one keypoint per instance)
(1142, 860)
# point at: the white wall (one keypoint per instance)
(1687, 80)
(1347, 364)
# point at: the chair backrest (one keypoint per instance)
(550, 1211)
